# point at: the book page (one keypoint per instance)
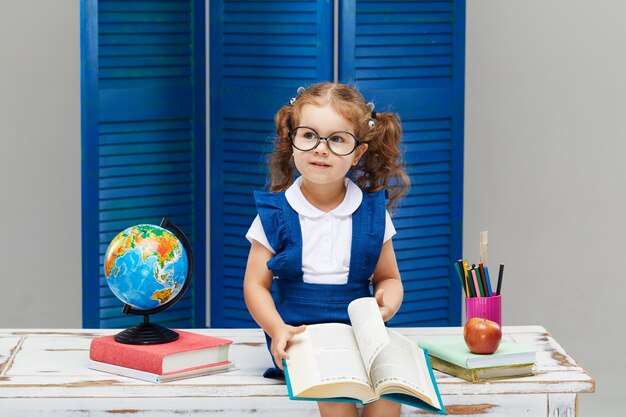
(336, 353)
(369, 329)
(325, 354)
(302, 372)
(401, 368)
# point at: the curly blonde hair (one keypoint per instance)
(381, 167)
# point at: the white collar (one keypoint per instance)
(301, 205)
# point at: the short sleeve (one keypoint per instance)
(390, 230)
(257, 233)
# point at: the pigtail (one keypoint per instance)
(381, 167)
(280, 161)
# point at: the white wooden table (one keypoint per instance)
(44, 373)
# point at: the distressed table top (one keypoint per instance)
(53, 364)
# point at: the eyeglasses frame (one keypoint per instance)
(320, 138)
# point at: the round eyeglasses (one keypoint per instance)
(340, 143)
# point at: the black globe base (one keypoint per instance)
(146, 333)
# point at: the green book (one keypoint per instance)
(454, 350)
(482, 374)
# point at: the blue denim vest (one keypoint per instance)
(298, 302)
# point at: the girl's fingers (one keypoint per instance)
(385, 313)
(280, 349)
(279, 354)
(297, 330)
(280, 344)
(379, 297)
(277, 360)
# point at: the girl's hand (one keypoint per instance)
(385, 310)
(279, 342)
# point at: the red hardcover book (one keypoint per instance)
(191, 350)
(159, 378)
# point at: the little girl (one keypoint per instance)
(325, 236)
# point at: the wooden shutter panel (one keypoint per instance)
(261, 52)
(143, 140)
(408, 57)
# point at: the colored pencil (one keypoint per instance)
(483, 279)
(475, 279)
(480, 284)
(470, 284)
(488, 282)
(500, 273)
(464, 276)
(458, 271)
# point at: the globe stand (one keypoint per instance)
(146, 333)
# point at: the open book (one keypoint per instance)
(360, 363)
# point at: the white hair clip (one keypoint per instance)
(372, 119)
(300, 90)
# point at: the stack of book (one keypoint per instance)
(191, 355)
(451, 355)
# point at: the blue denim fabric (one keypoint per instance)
(298, 302)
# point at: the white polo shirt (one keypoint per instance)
(326, 236)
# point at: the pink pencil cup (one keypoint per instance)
(484, 307)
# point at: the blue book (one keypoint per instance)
(360, 363)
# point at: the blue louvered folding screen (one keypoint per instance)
(261, 52)
(143, 140)
(408, 57)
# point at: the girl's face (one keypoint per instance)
(321, 166)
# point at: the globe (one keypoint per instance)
(145, 266)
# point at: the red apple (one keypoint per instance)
(482, 336)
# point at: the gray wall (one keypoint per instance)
(40, 247)
(545, 172)
(543, 168)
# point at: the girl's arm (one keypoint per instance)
(387, 283)
(256, 291)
